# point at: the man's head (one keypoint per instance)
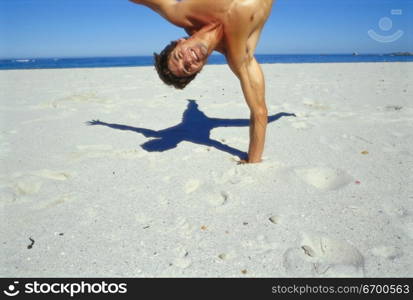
(180, 62)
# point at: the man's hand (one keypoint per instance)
(244, 162)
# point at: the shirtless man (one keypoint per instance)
(232, 27)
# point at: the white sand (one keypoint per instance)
(334, 196)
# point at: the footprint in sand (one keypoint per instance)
(55, 202)
(183, 260)
(192, 185)
(389, 252)
(52, 175)
(260, 245)
(31, 182)
(322, 256)
(182, 263)
(26, 185)
(324, 178)
(218, 199)
(183, 228)
(236, 175)
(213, 194)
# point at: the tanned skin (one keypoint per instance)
(232, 27)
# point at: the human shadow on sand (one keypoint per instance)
(195, 127)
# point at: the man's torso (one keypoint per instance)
(242, 20)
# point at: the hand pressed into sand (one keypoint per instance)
(244, 161)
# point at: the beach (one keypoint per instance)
(106, 172)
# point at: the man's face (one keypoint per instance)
(188, 57)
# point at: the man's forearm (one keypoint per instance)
(258, 126)
(253, 87)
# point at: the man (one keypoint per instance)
(232, 27)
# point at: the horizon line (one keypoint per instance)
(215, 54)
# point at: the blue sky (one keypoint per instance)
(84, 28)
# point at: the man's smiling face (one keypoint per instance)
(188, 57)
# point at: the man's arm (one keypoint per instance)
(253, 86)
(169, 9)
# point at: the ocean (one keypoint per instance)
(136, 61)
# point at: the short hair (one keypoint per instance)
(161, 65)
